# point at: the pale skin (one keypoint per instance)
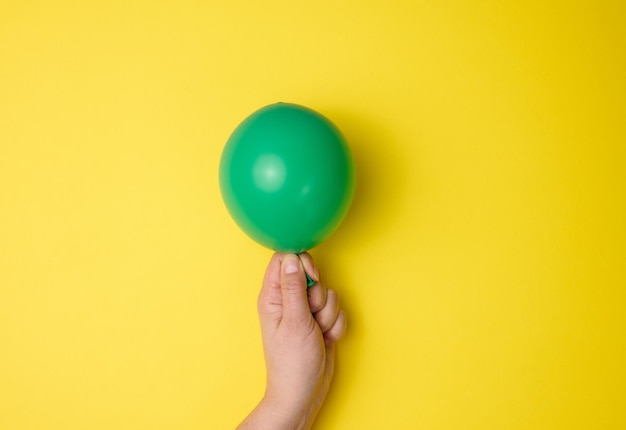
(299, 327)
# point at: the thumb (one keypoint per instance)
(293, 288)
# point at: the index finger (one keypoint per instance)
(317, 292)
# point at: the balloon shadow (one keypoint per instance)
(381, 178)
(381, 188)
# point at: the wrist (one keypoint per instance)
(273, 414)
(282, 413)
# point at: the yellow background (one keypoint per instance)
(482, 264)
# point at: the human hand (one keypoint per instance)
(299, 328)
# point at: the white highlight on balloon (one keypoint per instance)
(269, 172)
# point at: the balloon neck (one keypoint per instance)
(309, 281)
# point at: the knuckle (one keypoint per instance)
(293, 282)
(332, 296)
(317, 299)
(316, 304)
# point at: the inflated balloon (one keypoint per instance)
(287, 177)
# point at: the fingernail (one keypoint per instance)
(315, 275)
(291, 264)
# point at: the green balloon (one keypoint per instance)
(287, 177)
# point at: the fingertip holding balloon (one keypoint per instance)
(287, 177)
